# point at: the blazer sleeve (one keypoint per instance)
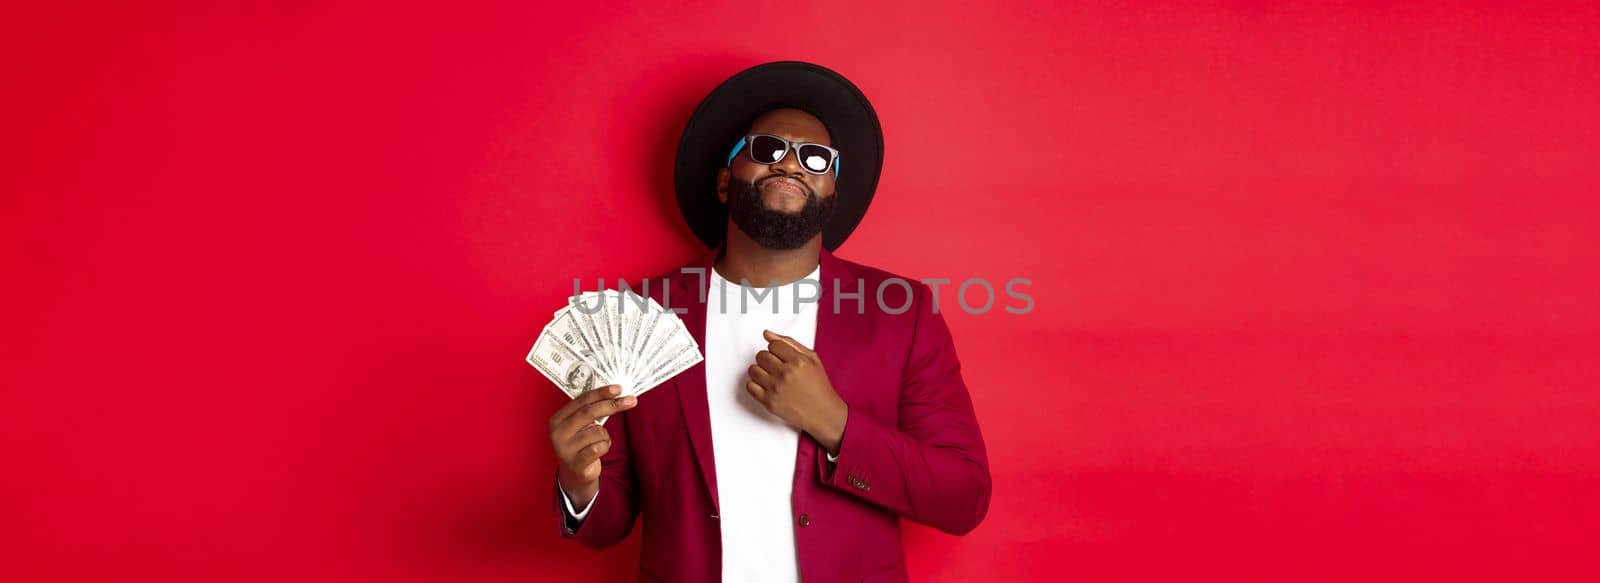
(933, 467)
(612, 512)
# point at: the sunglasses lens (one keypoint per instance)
(767, 149)
(815, 158)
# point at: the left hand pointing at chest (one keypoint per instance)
(789, 381)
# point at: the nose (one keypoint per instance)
(790, 165)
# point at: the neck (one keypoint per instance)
(762, 267)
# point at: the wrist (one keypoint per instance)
(830, 430)
(578, 490)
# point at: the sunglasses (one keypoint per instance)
(770, 149)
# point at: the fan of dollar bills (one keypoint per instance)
(613, 338)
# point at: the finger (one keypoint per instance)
(768, 360)
(785, 351)
(589, 452)
(591, 414)
(756, 391)
(575, 431)
(761, 376)
(594, 411)
(588, 434)
(584, 400)
(792, 343)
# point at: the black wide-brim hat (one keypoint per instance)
(725, 114)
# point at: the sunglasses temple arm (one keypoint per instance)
(735, 152)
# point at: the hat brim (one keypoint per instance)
(728, 111)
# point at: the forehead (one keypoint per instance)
(793, 125)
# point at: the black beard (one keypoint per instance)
(773, 229)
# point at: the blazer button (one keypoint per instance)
(805, 520)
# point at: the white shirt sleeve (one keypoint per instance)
(576, 515)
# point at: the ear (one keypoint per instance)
(722, 185)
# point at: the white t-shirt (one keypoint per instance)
(754, 449)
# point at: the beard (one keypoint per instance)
(774, 229)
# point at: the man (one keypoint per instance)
(824, 410)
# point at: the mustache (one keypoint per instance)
(810, 194)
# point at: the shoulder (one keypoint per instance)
(866, 272)
(694, 268)
(888, 289)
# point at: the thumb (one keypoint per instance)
(771, 336)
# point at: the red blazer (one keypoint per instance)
(911, 443)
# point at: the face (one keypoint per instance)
(779, 206)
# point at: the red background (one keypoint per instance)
(1316, 287)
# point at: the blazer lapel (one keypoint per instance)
(837, 331)
(689, 291)
(835, 334)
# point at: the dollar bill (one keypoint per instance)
(567, 369)
(608, 337)
(570, 328)
(629, 314)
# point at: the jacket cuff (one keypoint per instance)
(850, 470)
(567, 501)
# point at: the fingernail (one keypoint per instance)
(614, 389)
(629, 401)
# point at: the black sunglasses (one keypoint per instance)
(770, 149)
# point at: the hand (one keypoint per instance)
(789, 381)
(579, 441)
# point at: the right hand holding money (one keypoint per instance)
(604, 358)
(579, 440)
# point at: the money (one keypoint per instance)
(612, 337)
(569, 370)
